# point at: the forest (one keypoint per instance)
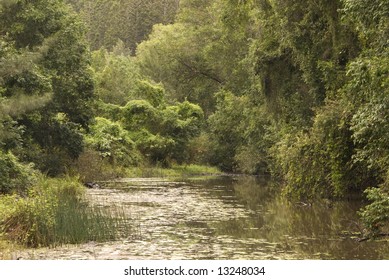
(298, 90)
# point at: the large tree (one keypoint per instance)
(201, 53)
(130, 21)
(50, 55)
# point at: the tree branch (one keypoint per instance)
(200, 72)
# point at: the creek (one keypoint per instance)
(221, 218)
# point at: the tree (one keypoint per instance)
(127, 20)
(130, 104)
(201, 53)
(50, 32)
(116, 75)
(344, 149)
(112, 142)
(161, 132)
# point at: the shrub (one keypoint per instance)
(154, 94)
(91, 167)
(14, 176)
(320, 162)
(112, 142)
(155, 147)
(55, 212)
(138, 114)
(199, 149)
(375, 216)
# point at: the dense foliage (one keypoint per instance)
(46, 57)
(296, 89)
(129, 21)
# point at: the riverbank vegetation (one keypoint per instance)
(295, 89)
(56, 212)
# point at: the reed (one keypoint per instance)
(56, 212)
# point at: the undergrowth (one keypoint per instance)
(55, 212)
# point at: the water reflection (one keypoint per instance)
(305, 231)
(223, 218)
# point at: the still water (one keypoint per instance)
(222, 218)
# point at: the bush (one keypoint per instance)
(154, 94)
(31, 221)
(319, 162)
(55, 212)
(199, 149)
(375, 216)
(91, 167)
(15, 177)
(182, 123)
(155, 147)
(138, 114)
(251, 160)
(112, 142)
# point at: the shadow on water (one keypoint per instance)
(223, 218)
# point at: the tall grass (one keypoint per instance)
(173, 171)
(56, 212)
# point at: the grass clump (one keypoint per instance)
(55, 212)
(194, 169)
(7, 249)
(173, 171)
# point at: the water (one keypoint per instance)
(221, 218)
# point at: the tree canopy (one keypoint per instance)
(47, 78)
